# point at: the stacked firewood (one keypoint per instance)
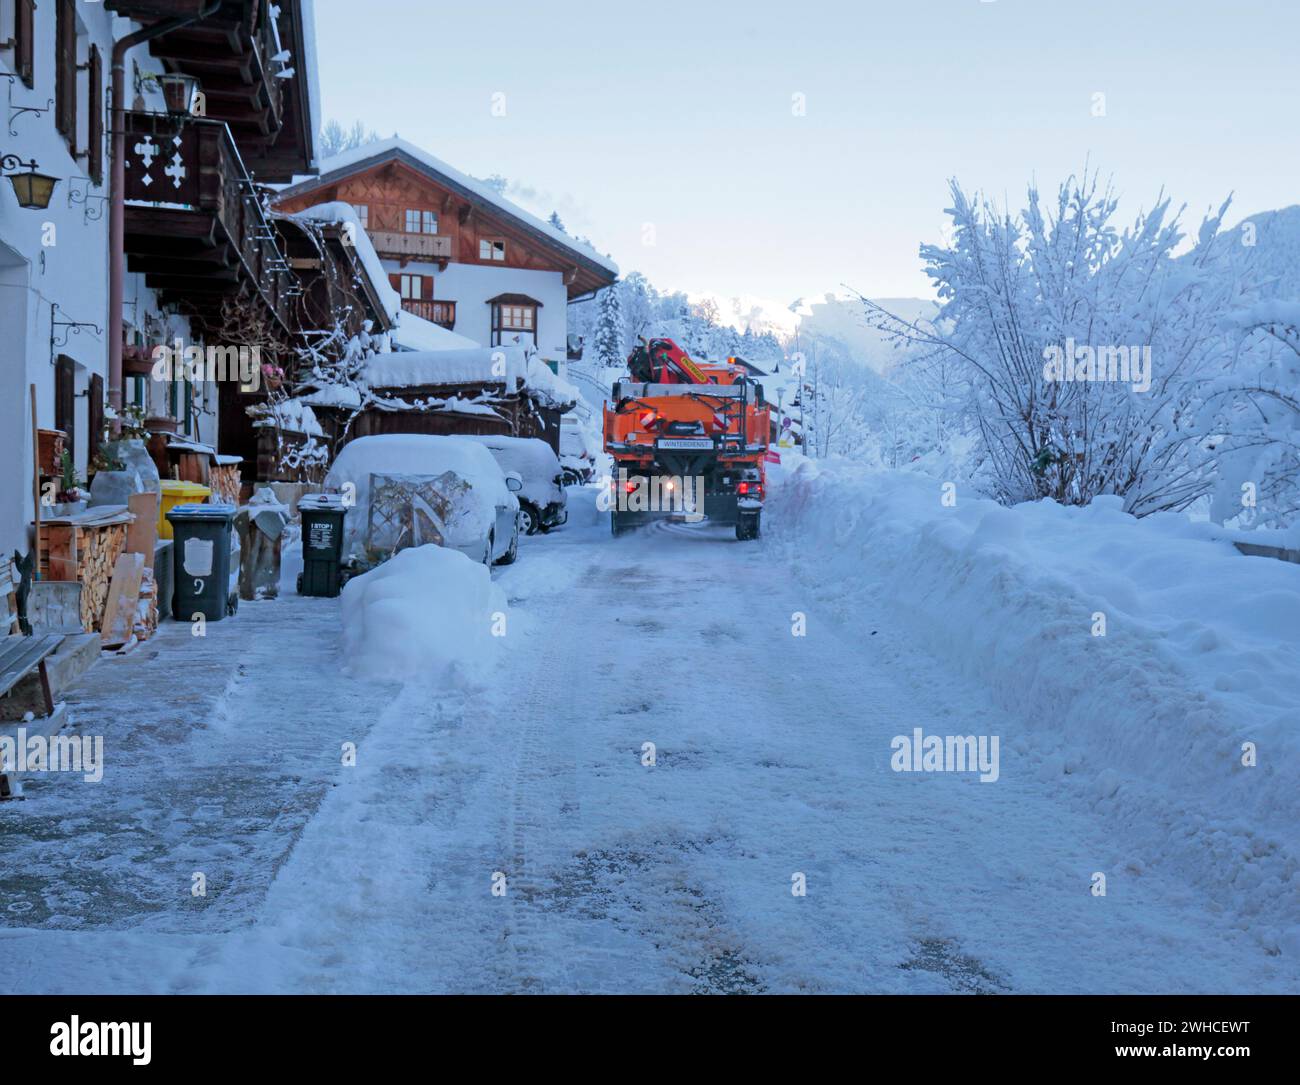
(85, 552)
(224, 480)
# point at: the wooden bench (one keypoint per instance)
(19, 656)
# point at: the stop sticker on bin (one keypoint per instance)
(198, 557)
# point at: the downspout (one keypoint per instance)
(116, 205)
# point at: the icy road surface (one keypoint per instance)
(772, 761)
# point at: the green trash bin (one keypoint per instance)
(201, 561)
(322, 545)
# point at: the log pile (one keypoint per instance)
(225, 481)
(85, 547)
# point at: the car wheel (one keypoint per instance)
(508, 558)
(529, 521)
(491, 545)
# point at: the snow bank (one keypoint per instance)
(425, 611)
(1145, 724)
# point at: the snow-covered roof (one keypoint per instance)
(413, 332)
(343, 213)
(313, 70)
(508, 365)
(369, 153)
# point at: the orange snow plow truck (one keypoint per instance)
(689, 440)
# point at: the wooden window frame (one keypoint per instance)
(500, 328)
(363, 214)
(407, 280)
(491, 243)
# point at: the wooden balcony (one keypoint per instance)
(438, 312)
(194, 223)
(430, 248)
(231, 54)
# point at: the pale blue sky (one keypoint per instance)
(679, 115)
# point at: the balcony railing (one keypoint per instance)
(431, 247)
(439, 312)
(203, 175)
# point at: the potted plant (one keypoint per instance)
(72, 497)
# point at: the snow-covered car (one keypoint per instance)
(454, 485)
(542, 501)
(577, 457)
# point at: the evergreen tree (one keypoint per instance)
(610, 330)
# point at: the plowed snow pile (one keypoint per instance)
(424, 611)
(1152, 724)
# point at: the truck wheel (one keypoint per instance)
(747, 527)
(616, 528)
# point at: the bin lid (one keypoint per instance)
(322, 503)
(198, 513)
(172, 488)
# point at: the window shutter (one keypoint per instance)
(426, 287)
(65, 84)
(95, 118)
(95, 421)
(65, 401)
(24, 22)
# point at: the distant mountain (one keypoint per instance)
(833, 323)
(837, 324)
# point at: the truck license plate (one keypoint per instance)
(684, 442)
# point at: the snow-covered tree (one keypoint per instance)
(609, 333)
(1020, 292)
(335, 139)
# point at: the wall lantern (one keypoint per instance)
(32, 189)
(179, 90)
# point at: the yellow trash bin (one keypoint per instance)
(178, 493)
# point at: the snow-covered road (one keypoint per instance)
(772, 760)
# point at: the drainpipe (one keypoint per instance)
(116, 188)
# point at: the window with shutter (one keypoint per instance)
(95, 118)
(24, 22)
(65, 83)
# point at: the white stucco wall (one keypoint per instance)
(470, 286)
(55, 256)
